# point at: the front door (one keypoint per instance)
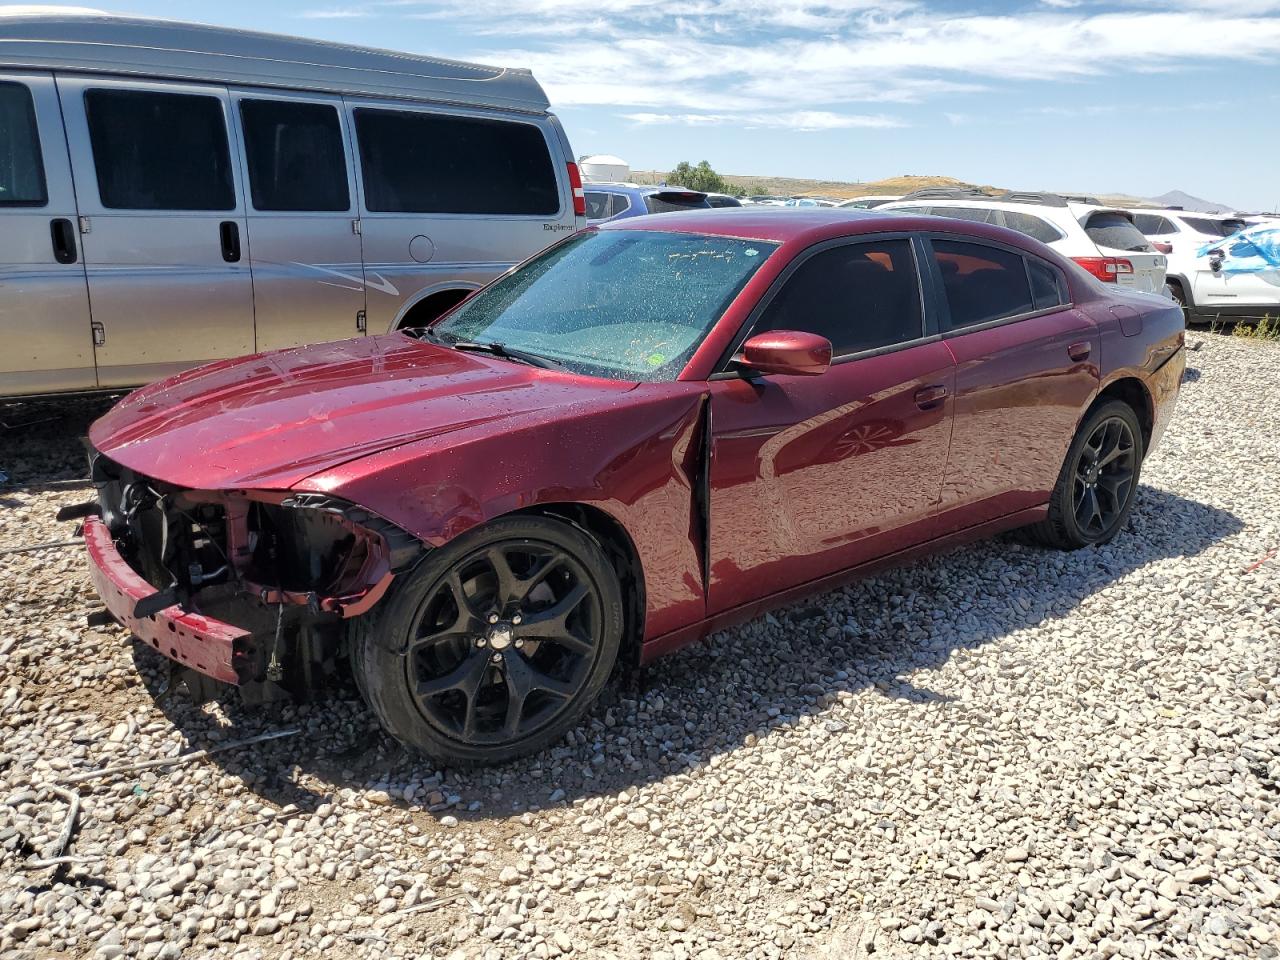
(162, 225)
(304, 244)
(44, 308)
(1026, 370)
(812, 475)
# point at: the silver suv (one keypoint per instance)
(252, 192)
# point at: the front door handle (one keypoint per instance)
(63, 236)
(229, 234)
(1079, 352)
(928, 398)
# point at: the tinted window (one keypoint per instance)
(1204, 225)
(724, 201)
(597, 205)
(666, 202)
(626, 304)
(1232, 226)
(159, 151)
(1048, 288)
(432, 163)
(1149, 224)
(21, 170)
(1115, 230)
(860, 296)
(976, 214)
(1034, 227)
(296, 160)
(982, 283)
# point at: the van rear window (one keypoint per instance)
(415, 162)
(21, 170)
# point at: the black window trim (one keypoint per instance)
(39, 154)
(725, 368)
(354, 198)
(554, 153)
(944, 310)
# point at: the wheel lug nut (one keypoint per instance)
(496, 658)
(481, 641)
(516, 618)
(519, 643)
(493, 618)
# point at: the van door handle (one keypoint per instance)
(229, 232)
(1079, 352)
(64, 240)
(929, 397)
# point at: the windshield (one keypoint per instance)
(625, 304)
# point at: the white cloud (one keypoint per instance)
(42, 9)
(793, 120)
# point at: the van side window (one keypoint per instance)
(295, 155)
(981, 283)
(859, 296)
(21, 168)
(159, 151)
(432, 163)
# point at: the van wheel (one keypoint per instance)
(1095, 490)
(495, 645)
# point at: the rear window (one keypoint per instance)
(1232, 226)
(295, 156)
(21, 170)
(1116, 231)
(666, 202)
(982, 283)
(1212, 227)
(433, 163)
(1031, 226)
(1152, 225)
(159, 151)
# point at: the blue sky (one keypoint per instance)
(1134, 97)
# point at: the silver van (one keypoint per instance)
(172, 194)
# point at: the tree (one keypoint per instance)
(701, 177)
(759, 191)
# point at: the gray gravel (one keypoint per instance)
(1000, 752)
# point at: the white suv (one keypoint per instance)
(1101, 239)
(1196, 274)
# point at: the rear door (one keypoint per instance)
(451, 199)
(303, 229)
(162, 225)
(1113, 233)
(1026, 369)
(44, 307)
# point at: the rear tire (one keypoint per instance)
(495, 645)
(1094, 493)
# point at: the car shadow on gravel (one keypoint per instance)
(715, 697)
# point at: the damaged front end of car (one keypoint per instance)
(241, 587)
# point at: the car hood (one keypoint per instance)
(273, 419)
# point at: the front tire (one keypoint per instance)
(495, 645)
(1094, 493)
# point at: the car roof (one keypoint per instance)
(802, 226)
(1168, 212)
(147, 47)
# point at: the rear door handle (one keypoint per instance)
(927, 398)
(1079, 351)
(229, 233)
(63, 236)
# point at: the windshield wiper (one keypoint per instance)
(498, 349)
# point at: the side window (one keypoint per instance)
(295, 156)
(159, 151)
(859, 296)
(976, 214)
(21, 167)
(1032, 226)
(1048, 287)
(981, 283)
(434, 163)
(597, 205)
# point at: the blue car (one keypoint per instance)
(616, 201)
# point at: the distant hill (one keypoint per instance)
(1180, 198)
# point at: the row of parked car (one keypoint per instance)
(172, 194)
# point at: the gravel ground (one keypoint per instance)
(999, 752)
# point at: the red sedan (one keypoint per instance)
(648, 432)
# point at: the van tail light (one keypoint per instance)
(1106, 269)
(579, 198)
(1162, 247)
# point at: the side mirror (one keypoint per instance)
(786, 351)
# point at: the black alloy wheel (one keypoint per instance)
(1095, 490)
(496, 644)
